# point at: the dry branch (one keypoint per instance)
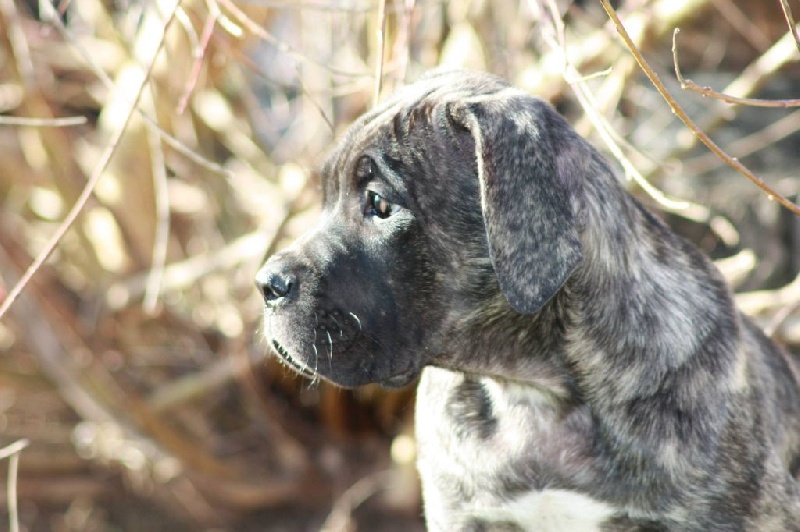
(772, 194)
(711, 93)
(787, 12)
(111, 147)
(42, 122)
(12, 452)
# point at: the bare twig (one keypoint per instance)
(183, 274)
(735, 269)
(350, 7)
(188, 387)
(13, 449)
(614, 142)
(188, 29)
(381, 40)
(755, 75)
(172, 141)
(161, 239)
(12, 453)
(18, 42)
(763, 302)
(353, 497)
(780, 318)
(708, 91)
(787, 14)
(263, 34)
(227, 24)
(111, 147)
(68, 121)
(732, 13)
(748, 144)
(604, 129)
(198, 52)
(401, 44)
(678, 110)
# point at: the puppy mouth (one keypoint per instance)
(400, 380)
(296, 365)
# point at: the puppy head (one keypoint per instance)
(455, 189)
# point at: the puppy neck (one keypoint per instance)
(645, 302)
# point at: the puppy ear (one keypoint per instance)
(525, 158)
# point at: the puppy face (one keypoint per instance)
(420, 227)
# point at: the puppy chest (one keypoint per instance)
(481, 424)
(496, 456)
(545, 511)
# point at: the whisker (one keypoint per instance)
(357, 320)
(341, 333)
(315, 378)
(330, 342)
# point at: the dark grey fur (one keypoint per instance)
(584, 367)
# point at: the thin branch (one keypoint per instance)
(199, 52)
(14, 448)
(708, 91)
(109, 151)
(263, 34)
(179, 275)
(68, 121)
(678, 110)
(780, 318)
(12, 453)
(161, 240)
(300, 6)
(381, 36)
(223, 370)
(352, 498)
(755, 75)
(227, 24)
(590, 107)
(188, 29)
(172, 141)
(733, 14)
(402, 47)
(748, 144)
(19, 44)
(787, 14)
(334, 7)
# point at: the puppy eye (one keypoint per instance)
(378, 206)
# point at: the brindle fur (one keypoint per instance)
(583, 367)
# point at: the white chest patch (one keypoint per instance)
(550, 511)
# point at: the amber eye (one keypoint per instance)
(378, 206)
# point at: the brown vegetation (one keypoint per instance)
(139, 196)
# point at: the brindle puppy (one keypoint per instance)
(582, 366)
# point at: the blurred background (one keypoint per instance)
(131, 363)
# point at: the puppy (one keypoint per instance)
(582, 367)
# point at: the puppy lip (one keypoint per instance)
(400, 380)
(296, 365)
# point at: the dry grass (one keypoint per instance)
(153, 153)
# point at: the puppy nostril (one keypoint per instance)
(276, 286)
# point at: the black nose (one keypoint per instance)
(274, 284)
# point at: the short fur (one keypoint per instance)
(583, 367)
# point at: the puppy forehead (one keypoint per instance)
(377, 130)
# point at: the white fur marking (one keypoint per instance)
(551, 511)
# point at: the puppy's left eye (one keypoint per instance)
(378, 206)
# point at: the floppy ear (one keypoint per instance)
(524, 151)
